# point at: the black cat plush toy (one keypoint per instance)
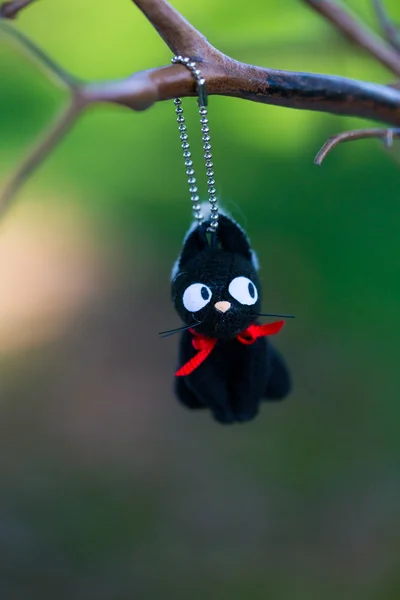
(226, 363)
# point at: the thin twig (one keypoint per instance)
(355, 31)
(47, 142)
(390, 30)
(62, 123)
(228, 77)
(36, 53)
(9, 10)
(386, 135)
(224, 75)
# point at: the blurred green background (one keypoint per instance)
(110, 489)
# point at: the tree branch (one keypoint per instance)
(179, 35)
(39, 56)
(389, 28)
(352, 29)
(58, 129)
(9, 10)
(307, 91)
(48, 141)
(386, 135)
(224, 75)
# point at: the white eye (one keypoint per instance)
(243, 290)
(196, 296)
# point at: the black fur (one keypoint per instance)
(235, 377)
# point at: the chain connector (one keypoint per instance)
(205, 130)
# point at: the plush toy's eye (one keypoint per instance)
(243, 290)
(196, 296)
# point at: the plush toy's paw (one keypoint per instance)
(280, 383)
(243, 417)
(229, 417)
(185, 395)
(225, 417)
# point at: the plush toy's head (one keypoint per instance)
(216, 284)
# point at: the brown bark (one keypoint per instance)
(356, 32)
(10, 10)
(224, 76)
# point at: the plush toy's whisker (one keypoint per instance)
(165, 334)
(274, 315)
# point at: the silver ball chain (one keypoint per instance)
(205, 130)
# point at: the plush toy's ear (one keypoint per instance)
(232, 238)
(194, 242)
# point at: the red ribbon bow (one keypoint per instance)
(205, 345)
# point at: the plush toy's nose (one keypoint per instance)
(222, 306)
